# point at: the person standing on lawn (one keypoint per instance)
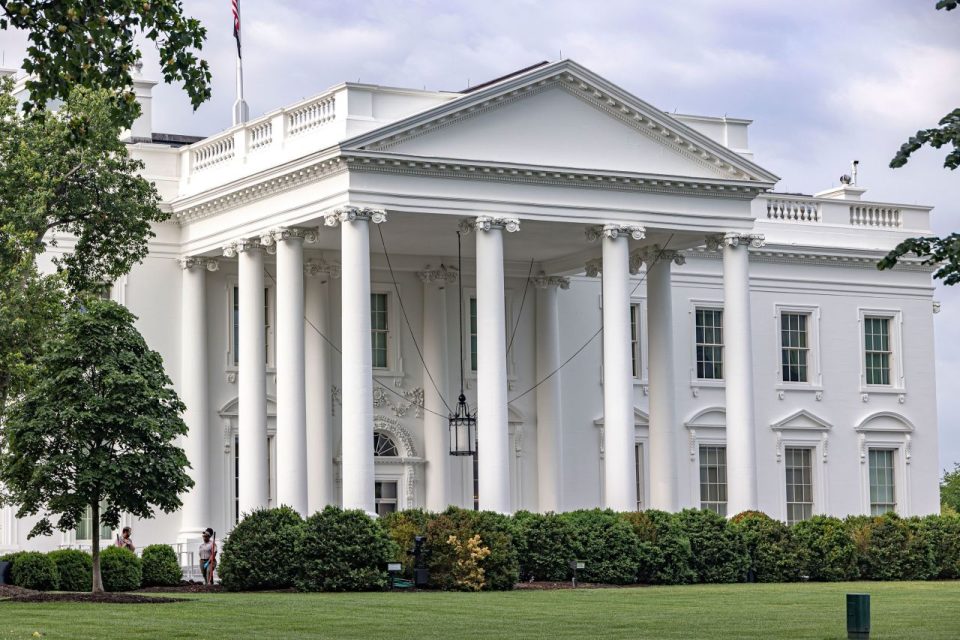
(124, 541)
(208, 555)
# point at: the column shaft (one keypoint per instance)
(738, 373)
(663, 458)
(254, 463)
(320, 452)
(291, 400)
(620, 491)
(436, 429)
(549, 407)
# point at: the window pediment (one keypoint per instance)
(710, 418)
(801, 420)
(885, 421)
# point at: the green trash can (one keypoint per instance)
(858, 616)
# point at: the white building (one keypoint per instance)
(752, 357)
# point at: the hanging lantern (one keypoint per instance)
(463, 430)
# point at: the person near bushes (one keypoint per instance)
(208, 555)
(124, 540)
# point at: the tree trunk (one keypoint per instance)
(95, 535)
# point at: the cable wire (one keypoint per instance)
(520, 312)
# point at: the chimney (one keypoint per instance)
(142, 129)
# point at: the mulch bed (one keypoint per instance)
(538, 585)
(9, 593)
(184, 587)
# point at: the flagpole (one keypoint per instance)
(240, 110)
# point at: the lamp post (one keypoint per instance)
(463, 422)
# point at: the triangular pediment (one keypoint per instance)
(802, 420)
(560, 115)
(640, 418)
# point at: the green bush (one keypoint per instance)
(35, 570)
(12, 559)
(74, 568)
(719, 553)
(261, 552)
(501, 568)
(889, 548)
(403, 527)
(343, 551)
(827, 552)
(774, 555)
(607, 544)
(671, 557)
(160, 566)
(545, 546)
(943, 534)
(120, 569)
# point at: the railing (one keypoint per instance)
(793, 210)
(875, 216)
(311, 115)
(212, 153)
(261, 135)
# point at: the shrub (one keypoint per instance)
(468, 575)
(719, 553)
(403, 527)
(120, 569)
(74, 568)
(12, 559)
(827, 552)
(343, 551)
(607, 544)
(774, 555)
(545, 546)
(889, 548)
(160, 566)
(500, 567)
(943, 534)
(34, 570)
(261, 552)
(671, 557)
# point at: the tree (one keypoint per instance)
(950, 488)
(91, 43)
(941, 252)
(63, 175)
(97, 425)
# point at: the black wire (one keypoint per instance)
(520, 312)
(460, 289)
(406, 319)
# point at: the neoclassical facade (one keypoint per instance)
(644, 322)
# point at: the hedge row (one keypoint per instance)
(338, 550)
(72, 570)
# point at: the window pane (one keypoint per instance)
(799, 476)
(379, 330)
(473, 334)
(713, 478)
(877, 352)
(882, 483)
(709, 347)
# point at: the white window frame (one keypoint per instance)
(707, 442)
(803, 430)
(696, 382)
(895, 455)
(641, 437)
(895, 319)
(394, 368)
(814, 368)
(814, 485)
(643, 364)
(900, 441)
(270, 336)
(509, 322)
(231, 468)
(641, 446)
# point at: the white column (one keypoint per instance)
(357, 373)
(291, 391)
(194, 514)
(254, 465)
(663, 425)
(549, 406)
(436, 428)
(738, 373)
(619, 433)
(320, 452)
(493, 436)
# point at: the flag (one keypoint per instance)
(235, 4)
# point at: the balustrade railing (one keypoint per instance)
(311, 115)
(212, 153)
(875, 216)
(792, 210)
(261, 135)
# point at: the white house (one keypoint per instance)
(305, 298)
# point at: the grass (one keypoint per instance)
(899, 610)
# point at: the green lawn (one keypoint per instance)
(900, 610)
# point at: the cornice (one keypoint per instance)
(842, 258)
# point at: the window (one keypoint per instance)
(709, 329)
(794, 347)
(713, 479)
(385, 498)
(799, 484)
(882, 486)
(379, 328)
(85, 527)
(236, 479)
(473, 334)
(267, 325)
(877, 351)
(383, 445)
(639, 454)
(271, 474)
(476, 481)
(635, 340)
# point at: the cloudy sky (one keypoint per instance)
(824, 81)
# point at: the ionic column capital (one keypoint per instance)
(199, 262)
(307, 234)
(350, 214)
(321, 267)
(735, 239)
(441, 276)
(543, 281)
(614, 231)
(486, 223)
(244, 244)
(594, 267)
(652, 254)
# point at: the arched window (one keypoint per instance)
(383, 445)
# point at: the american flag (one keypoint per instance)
(235, 4)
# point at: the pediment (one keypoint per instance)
(710, 418)
(885, 421)
(560, 116)
(802, 420)
(232, 408)
(640, 418)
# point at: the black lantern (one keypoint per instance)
(463, 424)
